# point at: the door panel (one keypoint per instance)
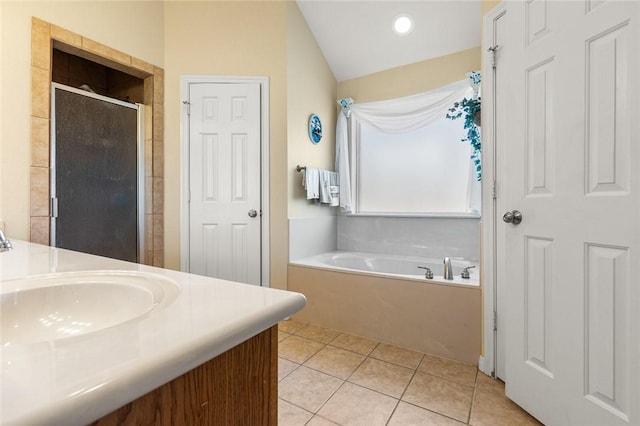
(572, 302)
(225, 181)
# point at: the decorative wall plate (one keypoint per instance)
(315, 128)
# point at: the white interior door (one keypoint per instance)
(224, 169)
(572, 265)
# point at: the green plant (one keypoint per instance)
(470, 109)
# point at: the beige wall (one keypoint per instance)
(311, 89)
(411, 79)
(487, 5)
(231, 38)
(132, 27)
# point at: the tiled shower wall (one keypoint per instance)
(309, 236)
(44, 36)
(427, 237)
(433, 238)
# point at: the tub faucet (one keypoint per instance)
(465, 272)
(428, 273)
(448, 271)
(5, 244)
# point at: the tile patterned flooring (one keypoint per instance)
(330, 378)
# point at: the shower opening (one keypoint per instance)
(97, 174)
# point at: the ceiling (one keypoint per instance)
(357, 38)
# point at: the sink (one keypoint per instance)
(57, 306)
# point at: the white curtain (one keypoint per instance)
(342, 165)
(392, 116)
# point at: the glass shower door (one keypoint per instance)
(96, 174)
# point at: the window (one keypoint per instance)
(420, 172)
(404, 157)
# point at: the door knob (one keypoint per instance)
(252, 213)
(514, 217)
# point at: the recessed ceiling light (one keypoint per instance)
(402, 24)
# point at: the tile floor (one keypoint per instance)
(330, 378)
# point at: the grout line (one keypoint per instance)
(415, 371)
(356, 369)
(323, 418)
(473, 397)
(297, 406)
(332, 393)
(330, 396)
(393, 411)
(287, 375)
(370, 356)
(435, 412)
(422, 354)
(352, 351)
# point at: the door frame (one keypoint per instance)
(185, 82)
(491, 177)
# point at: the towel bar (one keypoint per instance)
(300, 168)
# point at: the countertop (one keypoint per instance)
(79, 379)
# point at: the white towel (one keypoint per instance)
(325, 183)
(334, 189)
(311, 182)
(335, 195)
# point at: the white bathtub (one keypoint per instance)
(392, 265)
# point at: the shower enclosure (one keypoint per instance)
(97, 174)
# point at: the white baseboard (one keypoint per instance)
(485, 366)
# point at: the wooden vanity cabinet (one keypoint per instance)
(238, 387)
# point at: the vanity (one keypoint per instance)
(92, 340)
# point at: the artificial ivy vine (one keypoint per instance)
(470, 109)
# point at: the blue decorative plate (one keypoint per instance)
(315, 128)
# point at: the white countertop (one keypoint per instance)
(79, 379)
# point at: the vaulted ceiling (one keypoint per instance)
(357, 37)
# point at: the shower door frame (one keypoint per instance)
(140, 149)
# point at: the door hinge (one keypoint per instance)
(495, 320)
(494, 193)
(188, 105)
(54, 207)
(492, 51)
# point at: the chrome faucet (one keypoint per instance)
(5, 244)
(448, 271)
(428, 273)
(465, 272)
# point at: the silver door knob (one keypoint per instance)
(514, 217)
(252, 213)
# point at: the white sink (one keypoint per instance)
(56, 306)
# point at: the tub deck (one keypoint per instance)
(394, 266)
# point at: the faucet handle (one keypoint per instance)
(428, 274)
(5, 244)
(465, 272)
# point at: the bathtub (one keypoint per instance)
(387, 298)
(393, 265)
